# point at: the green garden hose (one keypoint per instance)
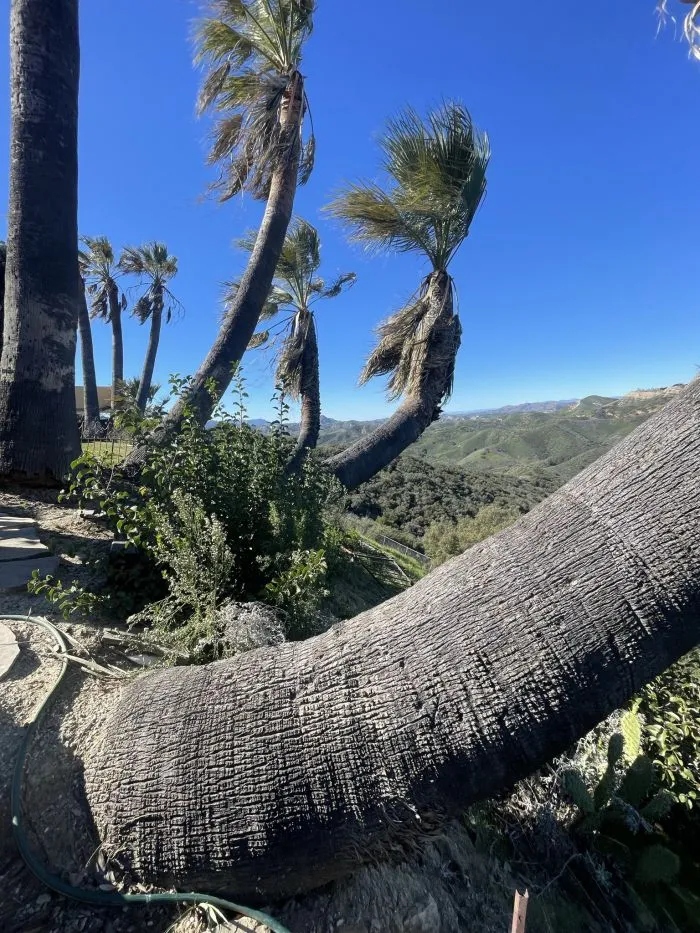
(86, 895)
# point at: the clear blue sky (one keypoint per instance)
(581, 271)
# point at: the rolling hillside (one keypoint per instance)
(517, 459)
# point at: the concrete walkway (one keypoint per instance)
(21, 553)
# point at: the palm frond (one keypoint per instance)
(251, 51)
(346, 280)
(154, 267)
(143, 308)
(394, 335)
(374, 218)
(417, 345)
(307, 160)
(99, 272)
(436, 172)
(257, 340)
(290, 367)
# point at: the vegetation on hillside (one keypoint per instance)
(412, 494)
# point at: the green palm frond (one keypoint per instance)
(346, 280)
(295, 283)
(154, 267)
(436, 172)
(99, 272)
(251, 50)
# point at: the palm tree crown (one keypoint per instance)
(100, 273)
(437, 179)
(252, 52)
(155, 267)
(296, 288)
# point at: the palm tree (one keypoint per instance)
(155, 267)
(91, 402)
(295, 289)
(38, 424)
(3, 260)
(252, 50)
(107, 302)
(437, 172)
(378, 730)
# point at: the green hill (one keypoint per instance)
(464, 463)
(412, 493)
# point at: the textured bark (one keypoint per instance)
(38, 423)
(91, 402)
(115, 319)
(282, 769)
(3, 256)
(151, 353)
(244, 312)
(371, 453)
(310, 421)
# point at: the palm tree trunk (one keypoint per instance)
(371, 453)
(38, 424)
(282, 769)
(115, 317)
(2, 292)
(150, 358)
(91, 402)
(242, 317)
(310, 422)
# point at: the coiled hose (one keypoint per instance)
(87, 895)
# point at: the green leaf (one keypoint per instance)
(656, 864)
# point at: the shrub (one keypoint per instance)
(448, 539)
(219, 516)
(670, 707)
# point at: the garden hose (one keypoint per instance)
(86, 895)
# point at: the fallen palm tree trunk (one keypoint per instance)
(285, 768)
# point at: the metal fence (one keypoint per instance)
(111, 450)
(381, 538)
(401, 548)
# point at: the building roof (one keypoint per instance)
(104, 395)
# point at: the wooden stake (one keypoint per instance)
(519, 912)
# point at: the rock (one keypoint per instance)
(9, 649)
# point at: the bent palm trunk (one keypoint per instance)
(150, 358)
(38, 424)
(244, 311)
(282, 769)
(3, 255)
(310, 421)
(91, 402)
(371, 453)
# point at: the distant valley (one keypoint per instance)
(513, 456)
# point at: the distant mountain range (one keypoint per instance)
(552, 440)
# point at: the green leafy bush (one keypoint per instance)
(670, 707)
(621, 813)
(218, 515)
